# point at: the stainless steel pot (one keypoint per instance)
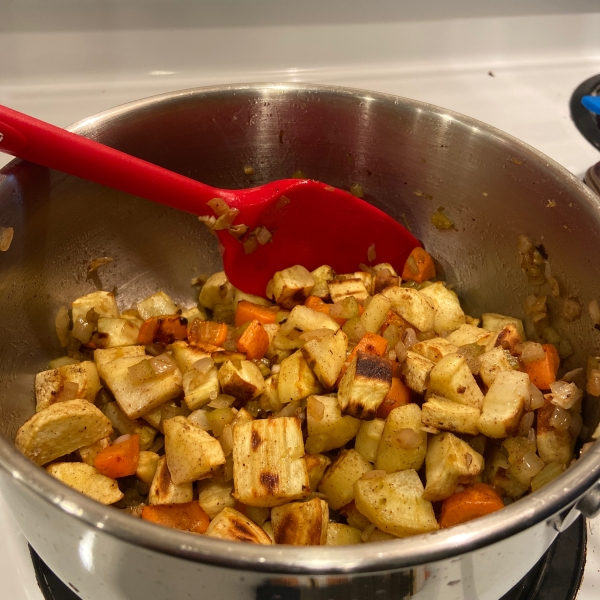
(411, 158)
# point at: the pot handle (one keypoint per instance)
(589, 505)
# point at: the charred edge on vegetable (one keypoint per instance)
(270, 481)
(256, 440)
(372, 366)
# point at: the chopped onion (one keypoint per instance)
(95, 264)
(357, 190)
(336, 310)
(572, 375)
(594, 310)
(537, 398)
(122, 438)
(69, 392)
(374, 474)
(564, 394)
(525, 423)
(410, 338)
(219, 206)
(250, 244)
(593, 382)
(371, 253)
(408, 438)
(204, 365)
(560, 419)
(366, 534)
(6, 238)
(429, 429)
(531, 437)
(401, 353)
(263, 235)
(554, 287)
(571, 309)
(269, 290)
(468, 459)
(275, 369)
(315, 409)
(162, 364)
(532, 352)
(226, 221)
(502, 461)
(62, 323)
(293, 409)
(82, 330)
(199, 418)
(531, 465)
(226, 439)
(221, 401)
(141, 372)
(524, 244)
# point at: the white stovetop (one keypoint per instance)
(64, 60)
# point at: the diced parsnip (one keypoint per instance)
(403, 443)
(231, 524)
(469, 334)
(504, 404)
(307, 319)
(364, 276)
(344, 288)
(316, 465)
(340, 534)
(123, 424)
(508, 337)
(164, 491)
(451, 378)
(244, 382)
(134, 398)
(434, 349)
(327, 428)
(449, 461)
(296, 379)
(104, 356)
(415, 371)
(301, 523)
(61, 429)
(448, 313)
(238, 296)
(367, 438)
(157, 305)
(292, 286)
(268, 463)
(49, 385)
(216, 290)
(326, 356)
(339, 479)
(214, 496)
(375, 314)
(269, 399)
(147, 466)
(87, 480)
(450, 416)
(191, 452)
(103, 303)
(199, 388)
(268, 529)
(553, 445)
(365, 384)
(187, 356)
(87, 454)
(412, 306)
(497, 322)
(395, 503)
(492, 362)
(114, 333)
(322, 275)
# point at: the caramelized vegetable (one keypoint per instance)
(120, 459)
(542, 372)
(419, 266)
(476, 501)
(188, 516)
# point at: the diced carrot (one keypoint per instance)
(163, 330)
(188, 516)
(248, 311)
(317, 304)
(371, 343)
(121, 459)
(399, 395)
(476, 501)
(542, 372)
(419, 266)
(254, 341)
(207, 332)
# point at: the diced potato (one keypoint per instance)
(87, 454)
(395, 504)
(114, 333)
(268, 463)
(344, 288)
(340, 534)
(296, 379)
(157, 305)
(103, 303)
(375, 535)
(238, 296)
(375, 314)
(403, 443)
(147, 466)
(103, 356)
(327, 428)
(187, 356)
(199, 388)
(452, 378)
(448, 313)
(415, 371)
(123, 424)
(450, 416)
(191, 452)
(304, 318)
(301, 523)
(136, 399)
(61, 429)
(216, 290)
(322, 275)
(87, 480)
(365, 384)
(326, 357)
(164, 491)
(469, 334)
(497, 322)
(214, 496)
(449, 461)
(244, 381)
(492, 362)
(292, 286)
(339, 479)
(231, 524)
(367, 438)
(355, 518)
(412, 306)
(316, 465)
(553, 445)
(434, 349)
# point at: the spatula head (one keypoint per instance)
(311, 224)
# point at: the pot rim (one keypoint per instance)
(539, 506)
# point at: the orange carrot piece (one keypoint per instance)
(317, 304)
(248, 311)
(254, 341)
(188, 516)
(119, 460)
(207, 332)
(371, 343)
(542, 372)
(419, 266)
(163, 330)
(399, 395)
(476, 501)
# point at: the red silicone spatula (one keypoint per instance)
(310, 223)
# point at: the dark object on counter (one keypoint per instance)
(586, 121)
(592, 178)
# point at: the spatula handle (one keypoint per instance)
(44, 144)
